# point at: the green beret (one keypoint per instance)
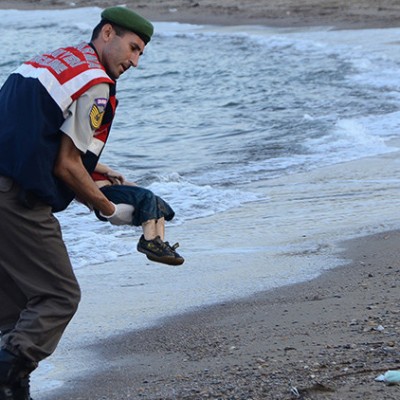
(128, 19)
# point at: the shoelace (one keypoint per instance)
(173, 247)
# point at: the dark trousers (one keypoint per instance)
(39, 293)
(146, 204)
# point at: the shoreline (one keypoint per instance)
(324, 331)
(328, 338)
(340, 14)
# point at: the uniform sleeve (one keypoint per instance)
(85, 115)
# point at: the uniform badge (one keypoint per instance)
(97, 112)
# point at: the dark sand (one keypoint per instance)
(328, 338)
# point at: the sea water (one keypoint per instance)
(210, 110)
(255, 125)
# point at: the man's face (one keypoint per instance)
(121, 52)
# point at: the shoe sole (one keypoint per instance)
(163, 259)
(166, 260)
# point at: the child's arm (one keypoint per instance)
(115, 177)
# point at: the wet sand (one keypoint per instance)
(324, 339)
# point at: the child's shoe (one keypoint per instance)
(159, 251)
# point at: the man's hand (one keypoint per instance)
(122, 214)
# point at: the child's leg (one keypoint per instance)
(151, 212)
(154, 228)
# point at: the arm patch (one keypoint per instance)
(97, 113)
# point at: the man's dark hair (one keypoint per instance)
(96, 31)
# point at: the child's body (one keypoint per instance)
(150, 212)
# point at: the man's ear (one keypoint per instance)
(107, 32)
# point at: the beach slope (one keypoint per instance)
(324, 339)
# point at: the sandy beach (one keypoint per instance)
(324, 339)
(338, 13)
(328, 338)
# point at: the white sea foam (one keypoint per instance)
(91, 241)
